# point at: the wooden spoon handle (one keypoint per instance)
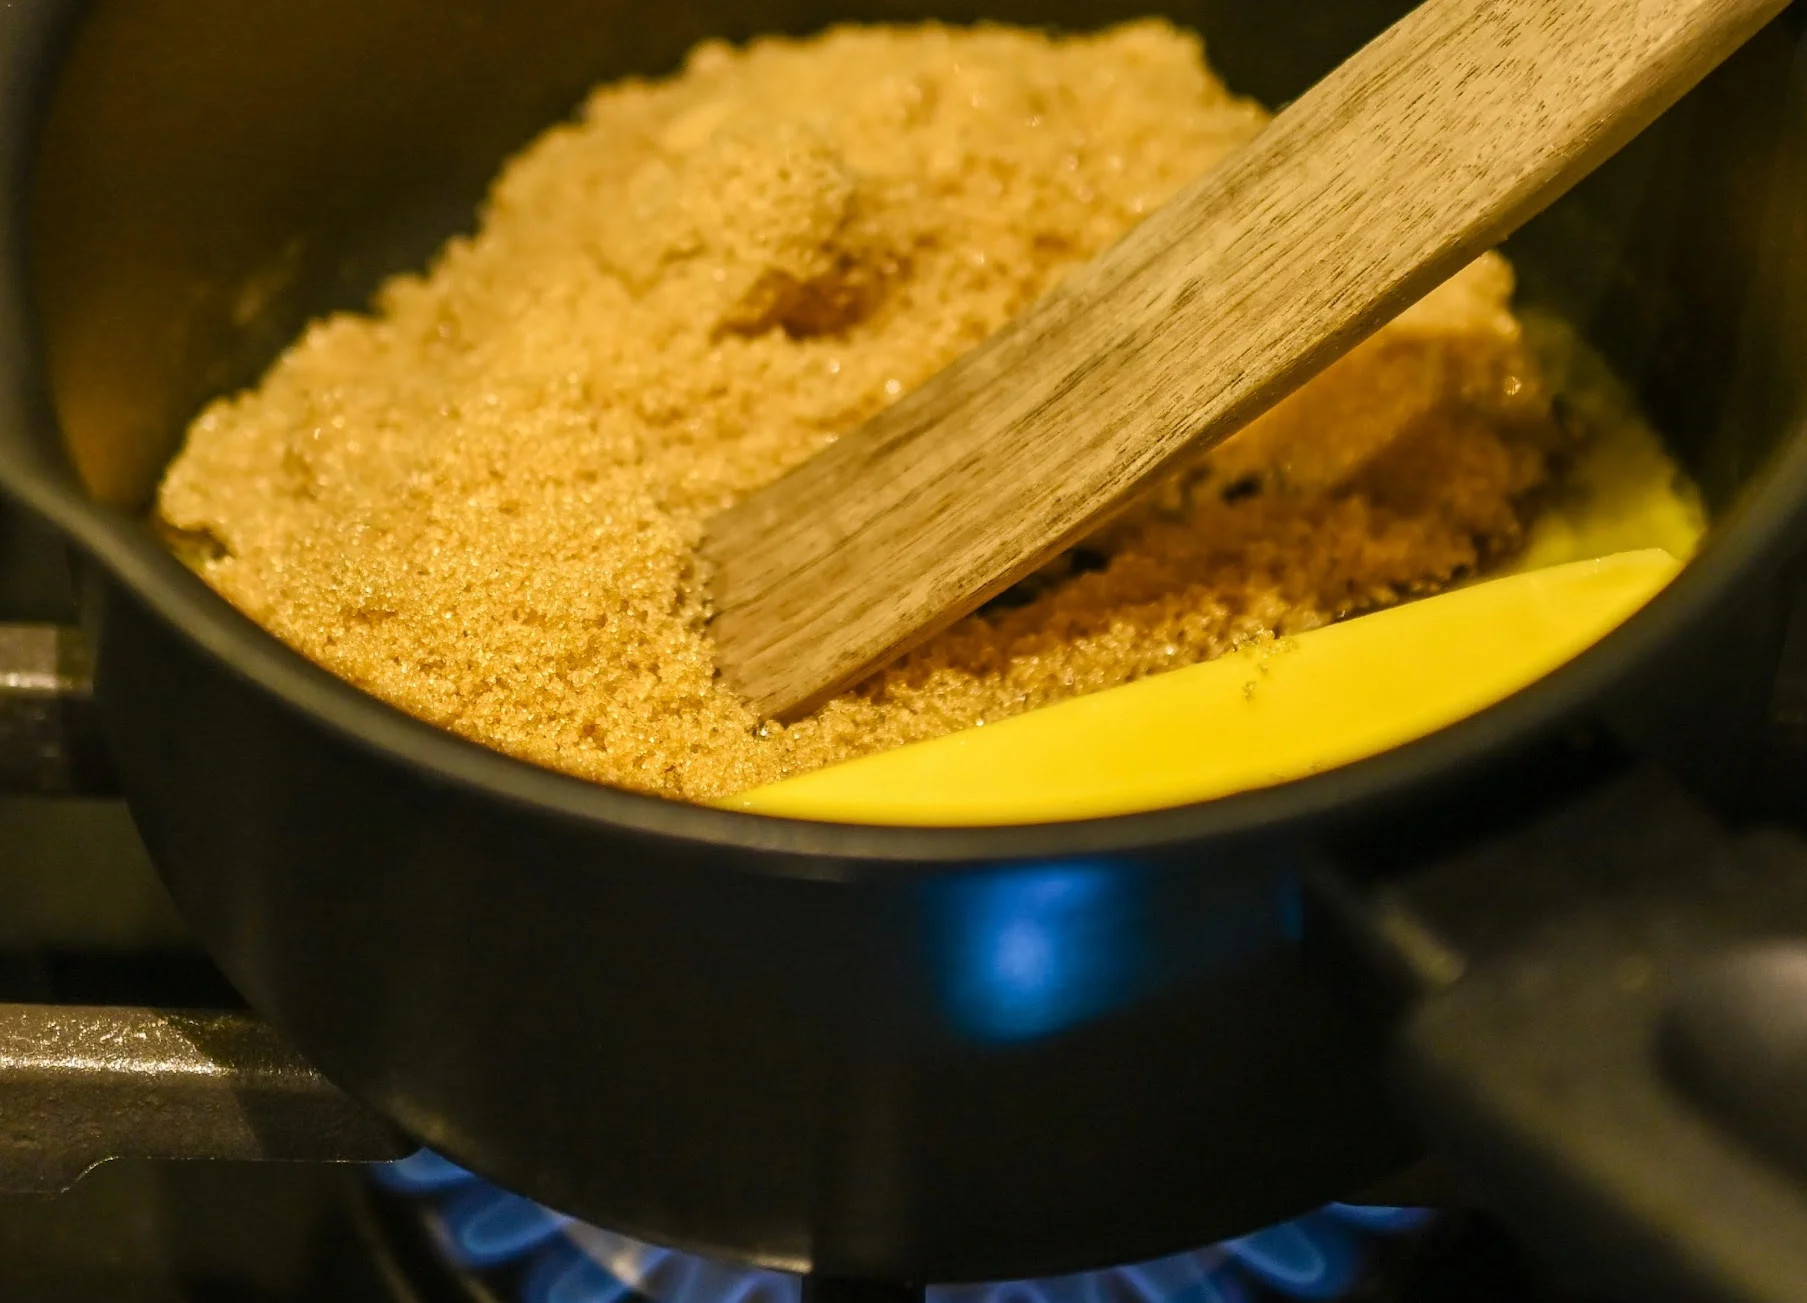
(1432, 144)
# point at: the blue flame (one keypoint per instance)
(1315, 1257)
(1385, 1221)
(566, 1274)
(1029, 952)
(419, 1173)
(484, 1226)
(1320, 1256)
(672, 1277)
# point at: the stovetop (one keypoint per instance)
(138, 1232)
(84, 920)
(87, 922)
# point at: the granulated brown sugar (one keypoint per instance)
(480, 501)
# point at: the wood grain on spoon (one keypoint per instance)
(1429, 146)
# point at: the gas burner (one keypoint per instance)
(551, 1258)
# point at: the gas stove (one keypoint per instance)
(548, 1258)
(91, 953)
(484, 1244)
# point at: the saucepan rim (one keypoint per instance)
(1756, 534)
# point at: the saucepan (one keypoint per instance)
(1547, 941)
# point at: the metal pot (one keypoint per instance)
(791, 1043)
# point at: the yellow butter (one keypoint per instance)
(1265, 715)
(1326, 698)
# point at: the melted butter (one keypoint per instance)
(1618, 525)
(1267, 714)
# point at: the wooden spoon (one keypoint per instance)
(1432, 144)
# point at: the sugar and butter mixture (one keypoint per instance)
(480, 500)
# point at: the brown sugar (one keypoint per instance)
(480, 501)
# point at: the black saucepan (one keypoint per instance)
(796, 1043)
